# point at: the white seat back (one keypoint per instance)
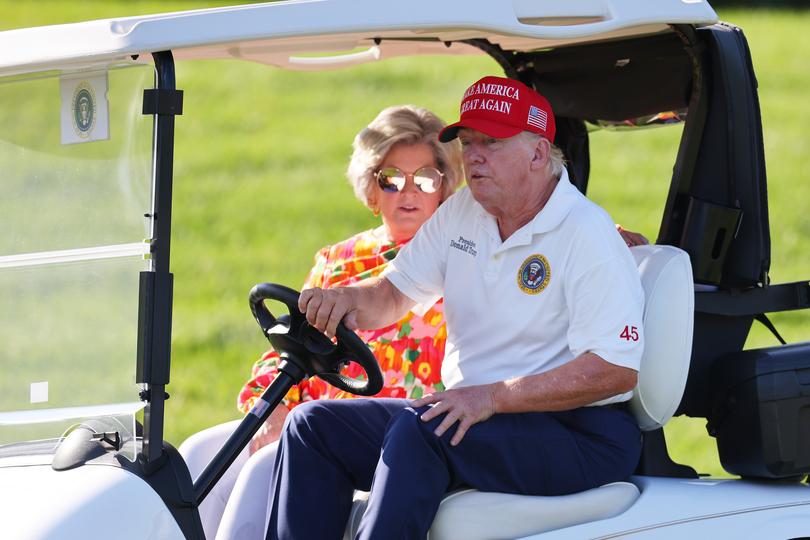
(669, 305)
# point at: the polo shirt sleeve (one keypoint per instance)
(605, 300)
(419, 269)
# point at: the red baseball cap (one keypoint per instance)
(501, 107)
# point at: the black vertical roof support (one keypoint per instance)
(683, 173)
(155, 315)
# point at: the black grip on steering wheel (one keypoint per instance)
(316, 353)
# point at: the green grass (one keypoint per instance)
(259, 187)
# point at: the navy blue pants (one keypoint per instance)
(329, 448)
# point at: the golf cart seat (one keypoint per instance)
(666, 277)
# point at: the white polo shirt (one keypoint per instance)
(562, 285)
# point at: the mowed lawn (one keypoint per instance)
(260, 186)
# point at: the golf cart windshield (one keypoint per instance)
(76, 156)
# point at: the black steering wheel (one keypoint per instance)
(304, 352)
(296, 341)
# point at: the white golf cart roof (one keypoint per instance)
(275, 33)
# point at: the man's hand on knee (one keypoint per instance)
(467, 406)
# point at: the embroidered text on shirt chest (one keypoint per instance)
(464, 245)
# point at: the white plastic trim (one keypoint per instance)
(75, 255)
(317, 63)
(67, 413)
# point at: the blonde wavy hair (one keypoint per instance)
(401, 124)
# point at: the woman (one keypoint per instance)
(402, 173)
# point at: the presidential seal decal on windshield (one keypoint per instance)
(534, 274)
(84, 109)
(84, 114)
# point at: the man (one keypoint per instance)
(543, 306)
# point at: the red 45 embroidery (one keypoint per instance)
(630, 333)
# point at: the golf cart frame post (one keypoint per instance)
(156, 285)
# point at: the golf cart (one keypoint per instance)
(87, 153)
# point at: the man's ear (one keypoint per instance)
(542, 152)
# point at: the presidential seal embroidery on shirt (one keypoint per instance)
(534, 274)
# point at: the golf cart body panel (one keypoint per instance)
(655, 62)
(95, 496)
(734, 512)
(736, 509)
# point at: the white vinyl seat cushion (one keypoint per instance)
(666, 277)
(479, 515)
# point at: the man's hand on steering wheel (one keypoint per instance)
(325, 308)
(304, 350)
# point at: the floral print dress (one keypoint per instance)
(409, 351)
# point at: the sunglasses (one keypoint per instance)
(392, 180)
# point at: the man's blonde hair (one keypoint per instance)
(555, 156)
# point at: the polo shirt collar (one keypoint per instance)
(553, 213)
(557, 207)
